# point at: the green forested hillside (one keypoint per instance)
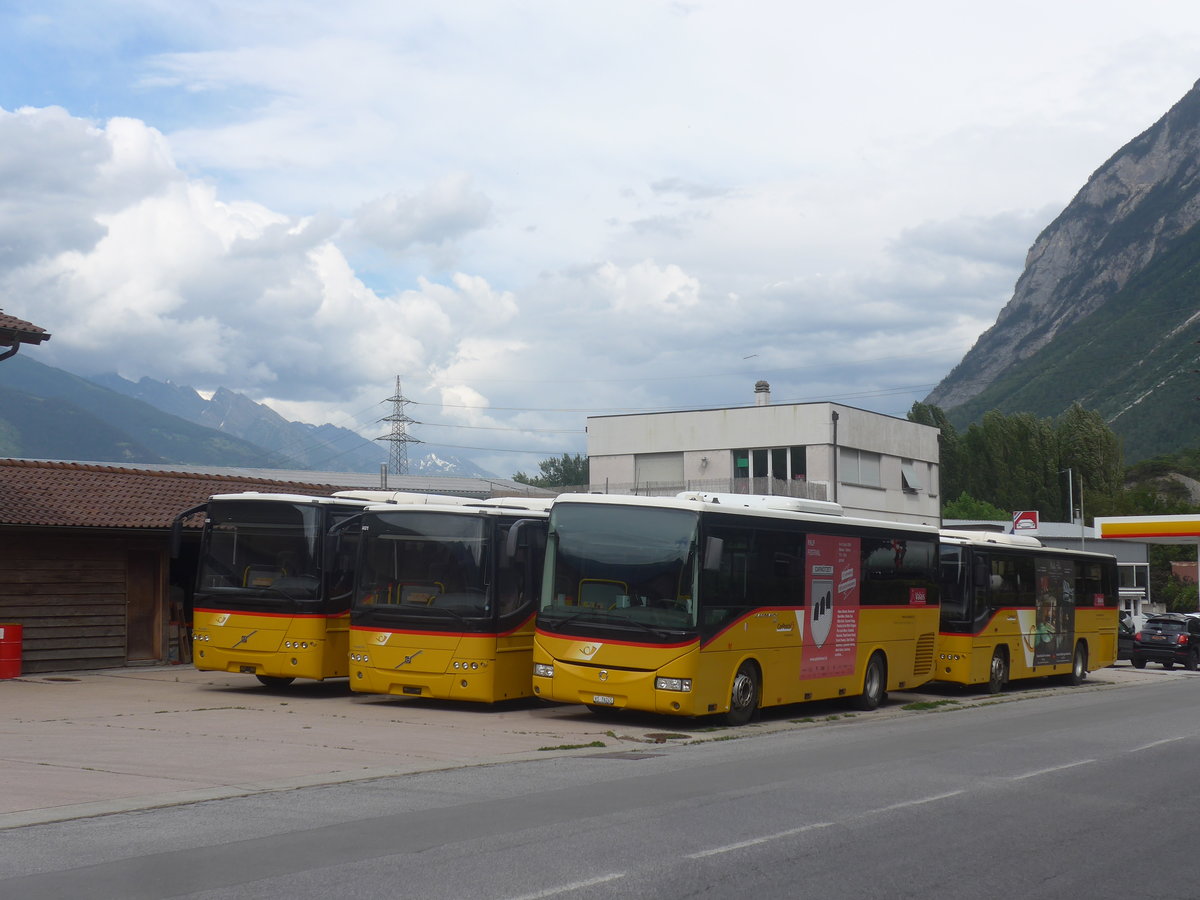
(1134, 360)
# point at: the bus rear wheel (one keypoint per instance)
(998, 674)
(274, 681)
(1078, 666)
(874, 690)
(743, 701)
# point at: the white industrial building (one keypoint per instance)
(874, 465)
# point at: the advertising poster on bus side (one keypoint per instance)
(1054, 631)
(833, 576)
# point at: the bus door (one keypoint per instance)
(1013, 615)
(989, 626)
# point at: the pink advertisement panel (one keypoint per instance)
(833, 573)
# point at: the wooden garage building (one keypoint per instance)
(85, 564)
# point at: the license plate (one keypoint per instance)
(603, 700)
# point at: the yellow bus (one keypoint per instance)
(445, 599)
(1013, 608)
(725, 603)
(270, 599)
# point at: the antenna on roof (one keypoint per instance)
(399, 436)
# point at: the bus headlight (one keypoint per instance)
(673, 684)
(542, 670)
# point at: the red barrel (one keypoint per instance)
(10, 650)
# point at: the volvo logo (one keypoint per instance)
(604, 674)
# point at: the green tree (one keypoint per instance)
(949, 446)
(967, 507)
(564, 471)
(1092, 451)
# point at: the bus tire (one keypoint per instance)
(1078, 673)
(274, 681)
(743, 700)
(998, 673)
(874, 690)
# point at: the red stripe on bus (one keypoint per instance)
(508, 633)
(606, 641)
(242, 612)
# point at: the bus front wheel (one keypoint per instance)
(998, 674)
(743, 702)
(274, 681)
(874, 690)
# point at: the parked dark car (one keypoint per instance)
(1168, 638)
(1125, 632)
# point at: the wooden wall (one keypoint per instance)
(75, 594)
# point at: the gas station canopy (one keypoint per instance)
(1149, 529)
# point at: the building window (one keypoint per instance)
(858, 467)
(772, 463)
(909, 480)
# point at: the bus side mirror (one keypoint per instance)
(713, 548)
(177, 528)
(523, 534)
(981, 575)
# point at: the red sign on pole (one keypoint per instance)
(1025, 520)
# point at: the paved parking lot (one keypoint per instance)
(88, 743)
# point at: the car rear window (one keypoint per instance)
(1164, 625)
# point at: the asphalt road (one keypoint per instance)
(1046, 794)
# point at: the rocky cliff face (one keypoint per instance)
(1132, 209)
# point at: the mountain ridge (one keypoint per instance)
(1107, 310)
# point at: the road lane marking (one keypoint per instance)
(760, 840)
(922, 800)
(1157, 744)
(1082, 762)
(573, 886)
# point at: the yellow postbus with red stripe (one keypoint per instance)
(722, 604)
(445, 599)
(271, 599)
(1013, 608)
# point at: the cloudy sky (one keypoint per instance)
(536, 211)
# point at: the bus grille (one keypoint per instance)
(923, 662)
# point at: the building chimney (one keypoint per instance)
(762, 393)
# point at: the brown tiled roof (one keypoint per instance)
(82, 495)
(14, 330)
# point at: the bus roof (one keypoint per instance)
(1001, 539)
(747, 505)
(529, 506)
(290, 498)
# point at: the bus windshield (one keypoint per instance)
(426, 565)
(621, 565)
(265, 551)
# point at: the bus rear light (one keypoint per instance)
(542, 670)
(683, 685)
